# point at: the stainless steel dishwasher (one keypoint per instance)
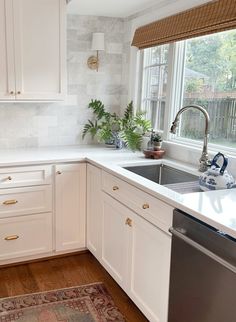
(203, 272)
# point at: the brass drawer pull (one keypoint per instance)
(13, 237)
(115, 188)
(9, 202)
(58, 172)
(128, 222)
(145, 206)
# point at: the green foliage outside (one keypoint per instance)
(211, 82)
(215, 57)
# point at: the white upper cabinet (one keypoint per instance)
(34, 59)
(7, 79)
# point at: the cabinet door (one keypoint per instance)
(70, 187)
(39, 29)
(7, 80)
(94, 211)
(115, 238)
(149, 265)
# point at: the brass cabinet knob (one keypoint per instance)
(128, 222)
(145, 206)
(9, 178)
(115, 188)
(9, 202)
(19, 92)
(13, 237)
(59, 172)
(12, 92)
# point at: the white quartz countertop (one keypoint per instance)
(216, 208)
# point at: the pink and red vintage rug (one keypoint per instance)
(88, 303)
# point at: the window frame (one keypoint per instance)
(174, 98)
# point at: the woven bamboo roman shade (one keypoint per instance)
(212, 17)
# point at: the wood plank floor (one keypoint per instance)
(63, 272)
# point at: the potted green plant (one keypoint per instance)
(109, 127)
(103, 125)
(156, 141)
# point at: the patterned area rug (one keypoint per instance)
(88, 303)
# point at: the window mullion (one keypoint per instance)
(141, 82)
(175, 84)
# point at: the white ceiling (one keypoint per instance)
(109, 8)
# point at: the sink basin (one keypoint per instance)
(174, 179)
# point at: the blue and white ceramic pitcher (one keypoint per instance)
(216, 177)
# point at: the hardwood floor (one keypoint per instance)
(63, 272)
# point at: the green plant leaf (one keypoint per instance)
(128, 114)
(98, 109)
(132, 139)
(91, 128)
(143, 123)
(105, 134)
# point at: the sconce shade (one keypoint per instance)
(98, 41)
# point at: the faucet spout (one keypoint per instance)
(204, 160)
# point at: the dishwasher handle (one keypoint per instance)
(202, 249)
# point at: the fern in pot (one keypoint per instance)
(109, 127)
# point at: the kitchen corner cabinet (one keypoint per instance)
(94, 210)
(32, 50)
(137, 255)
(70, 206)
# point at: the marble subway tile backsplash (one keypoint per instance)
(49, 124)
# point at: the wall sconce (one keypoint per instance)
(97, 44)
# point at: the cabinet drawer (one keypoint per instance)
(25, 176)
(26, 235)
(23, 201)
(149, 207)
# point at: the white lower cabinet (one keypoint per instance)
(137, 255)
(25, 235)
(149, 265)
(25, 201)
(94, 210)
(31, 224)
(115, 240)
(70, 206)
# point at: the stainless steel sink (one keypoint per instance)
(174, 179)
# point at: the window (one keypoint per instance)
(153, 100)
(207, 78)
